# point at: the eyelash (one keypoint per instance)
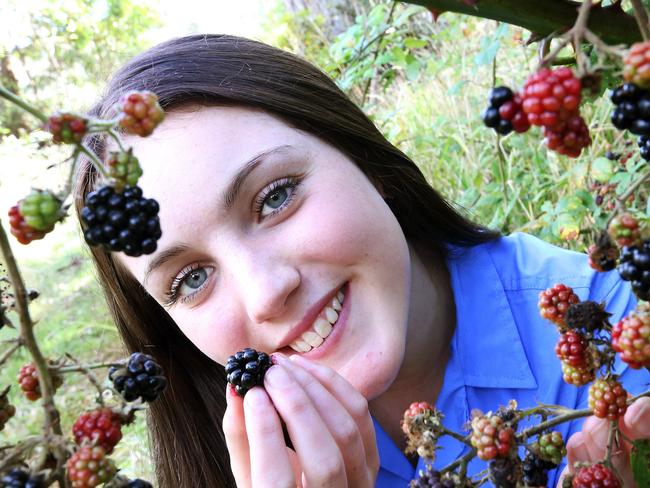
(290, 182)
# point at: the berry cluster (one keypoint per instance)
(430, 478)
(121, 221)
(550, 448)
(138, 483)
(632, 110)
(637, 65)
(101, 427)
(573, 348)
(41, 210)
(422, 426)
(554, 303)
(7, 410)
(505, 113)
(595, 476)
(535, 470)
(607, 398)
(123, 168)
(634, 267)
(28, 381)
(624, 230)
(491, 436)
(631, 337)
(603, 254)
(140, 112)
(67, 128)
(505, 472)
(644, 147)
(19, 228)
(89, 467)
(141, 378)
(19, 478)
(246, 369)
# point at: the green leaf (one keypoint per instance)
(413, 43)
(602, 169)
(640, 461)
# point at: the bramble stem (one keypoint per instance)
(613, 427)
(641, 16)
(94, 160)
(82, 369)
(15, 99)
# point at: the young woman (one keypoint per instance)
(292, 226)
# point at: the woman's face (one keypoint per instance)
(264, 226)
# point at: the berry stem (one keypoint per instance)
(611, 436)
(111, 132)
(465, 458)
(9, 352)
(82, 368)
(464, 439)
(620, 201)
(15, 99)
(641, 16)
(95, 161)
(91, 377)
(52, 421)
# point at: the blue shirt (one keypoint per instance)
(502, 349)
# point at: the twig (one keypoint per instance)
(620, 200)
(376, 54)
(613, 427)
(82, 368)
(8, 353)
(4, 93)
(578, 31)
(641, 16)
(91, 377)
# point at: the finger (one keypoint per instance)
(576, 449)
(353, 401)
(339, 422)
(269, 461)
(234, 428)
(319, 455)
(596, 437)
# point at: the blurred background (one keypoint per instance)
(423, 82)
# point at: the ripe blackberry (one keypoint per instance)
(101, 427)
(535, 471)
(246, 369)
(7, 410)
(138, 483)
(19, 478)
(124, 169)
(607, 398)
(574, 349)
(140, 112)
(505, 113)
(551, 97)
(637, 64)
(554, 303)
(632, 110)
(587, 316)
(634, 266)
(121, 221)
(491, 436)
(505, 472)
(89, 467)
(422, 425)
(142, 378)
(603, 255)
(568, 137)
(432, 479)
(550, 448)
(28, 381)
(67, 128)
(595, 476)
(624, 230)
(19, 228)
(631, 337)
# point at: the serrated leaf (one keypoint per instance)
(640, 461)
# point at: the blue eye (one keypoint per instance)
(277, 196)
(188, 284)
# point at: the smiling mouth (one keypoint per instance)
(322, 326)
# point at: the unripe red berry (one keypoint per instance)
(607, 398)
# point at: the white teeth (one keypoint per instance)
(323, 327)
(300, 346)
(312, 338)
(331, 315)
(339, 295)
(336, 305)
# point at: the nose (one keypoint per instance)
(265, 283)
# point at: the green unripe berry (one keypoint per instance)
(41, 209)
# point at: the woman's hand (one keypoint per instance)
(328, 422)
(590, 444)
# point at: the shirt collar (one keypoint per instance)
(485, 322)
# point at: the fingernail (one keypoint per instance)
(278, 358)
(275, 376)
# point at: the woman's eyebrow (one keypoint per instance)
(162, 258)
(231, 192)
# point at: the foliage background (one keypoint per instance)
(424, 83)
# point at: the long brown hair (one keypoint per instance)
(185, 423)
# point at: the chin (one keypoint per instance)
(374, 372)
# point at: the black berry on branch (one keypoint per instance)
(142, 378)
(550, 448)
(595, 476)
(28, 381)
(631, 337)
(587, 316)
(140, 112)
(246, 369)
(138, 483)
(505, 472)
(89, 467)
(505, 113)
(430, 478)
(607, 398)
(492, 437)
(7, 410)
(19, 228)
(644, 147)
(101, 427)
(121, 221)
(124, 169)
(554, 303)
(603, 255)
(41, 209)
(634, 266)
(535, 471)
(19, 478)
(67, 128)
(637, 64)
